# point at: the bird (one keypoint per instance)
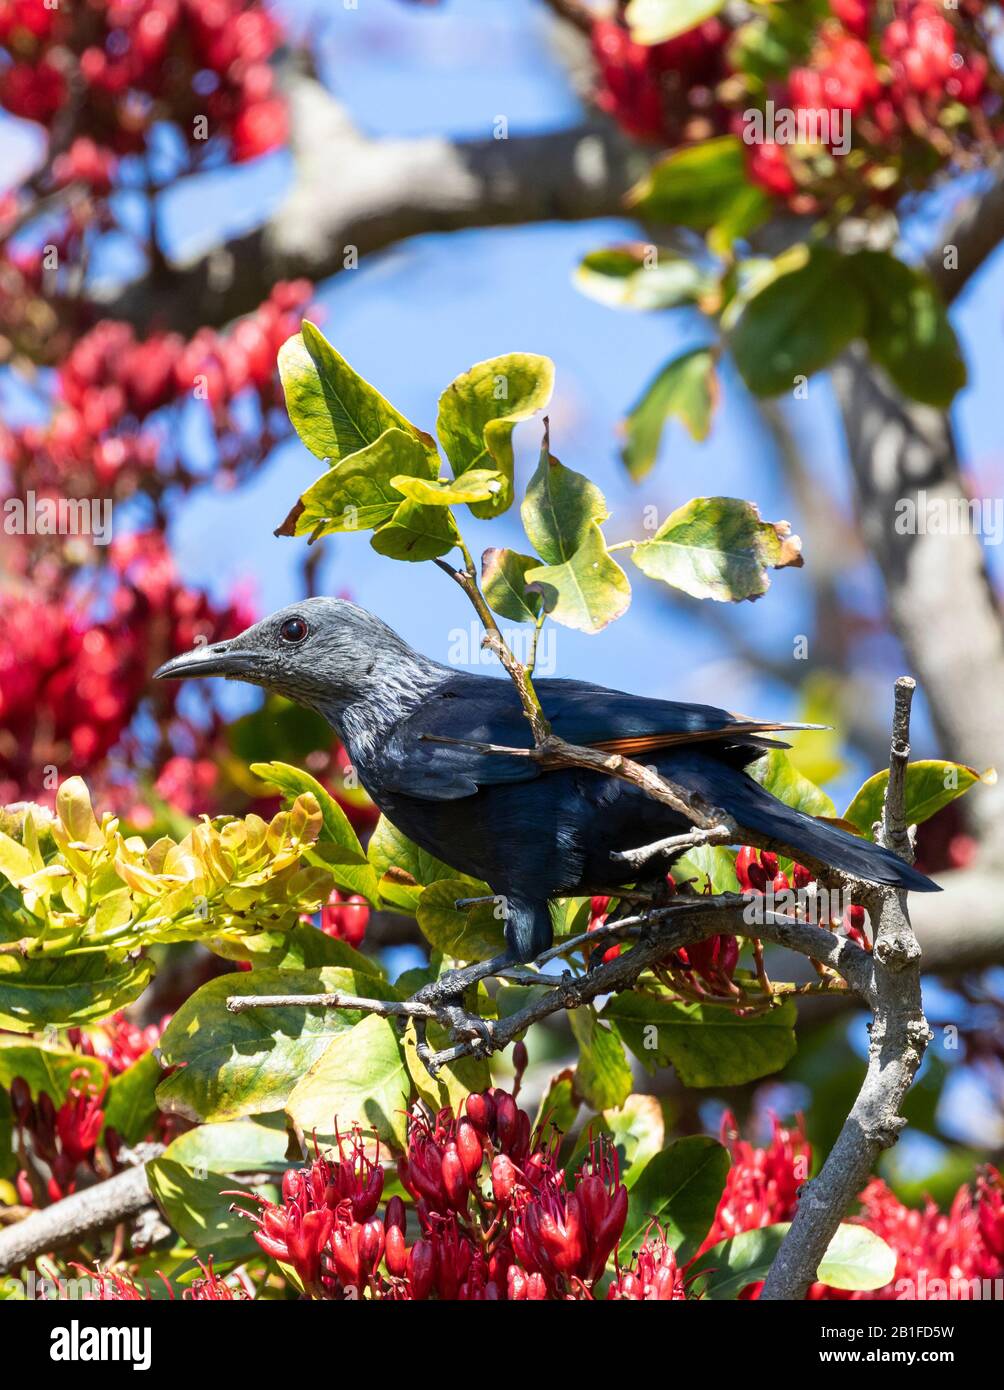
(415, 729)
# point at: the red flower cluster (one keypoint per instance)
(118, 1042)
(71, 683)
(899, 82)
(110, 435)
(664, 91)
(134, 60)
(62, 1138)
(932, 1247)
(938, 1252)
(762, 1185)
(496, 1218)
(55, 1141)
(345, 917)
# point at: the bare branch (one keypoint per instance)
(899, 1035)
(353, 191)
(240, 1003)
(69, 1221)
(972, 234)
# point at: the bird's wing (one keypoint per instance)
(618, 722)
(442, 751)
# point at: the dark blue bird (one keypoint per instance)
(530, 833)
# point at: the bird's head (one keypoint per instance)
(321, 652)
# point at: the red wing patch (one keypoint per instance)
(633, 744)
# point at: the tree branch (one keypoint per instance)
(899, 1035)
(81, 1214)
(353, 190)
(941, 602)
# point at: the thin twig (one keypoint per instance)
(675, 844)
(240, 1003)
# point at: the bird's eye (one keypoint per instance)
(293, 630)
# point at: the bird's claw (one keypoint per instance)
(465, 1027)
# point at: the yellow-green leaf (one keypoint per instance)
(333, 409)
(717, 547)
(473, 933)
(360, 1078)
(476, 485)
(930, 785)
(478, 411)
(416, 532)
(586, 592)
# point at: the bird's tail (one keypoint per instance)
(756, 809)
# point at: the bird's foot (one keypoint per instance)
(466, 1027)
(446, 996)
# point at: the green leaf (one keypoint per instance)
(603, 1074)
(586, 592)
(246, 1064)
(699, 186)
(303, 947)
(473, 933)
(655, 21)
(416, 532)
(856, 1259)
(680, 1188)
(777, 774)
(360, 495)
(708, 864)
(908, 331)
(503, 583)
(476, 485)
(278, 729)
(685, 389)
(930, 785)
(337, 848)
(559, 508)
(639, 1131)
(640, 277)
(47, 1069)
(333, 410)
(559, 1104)
(131, 1105)
(717, 547)
(708, 1045)
(395, 859)
(238, 1146)
(797, 319)
(195, 1207)
(360, 1078)
(68, 991)
(478, 411)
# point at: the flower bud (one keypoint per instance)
(395, 1215)
(469, 1147)
(454, 1178)
(421, 1269)
(504, 1178)
(481, 1111)
(395, 1251)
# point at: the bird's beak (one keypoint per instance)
(220, 659)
